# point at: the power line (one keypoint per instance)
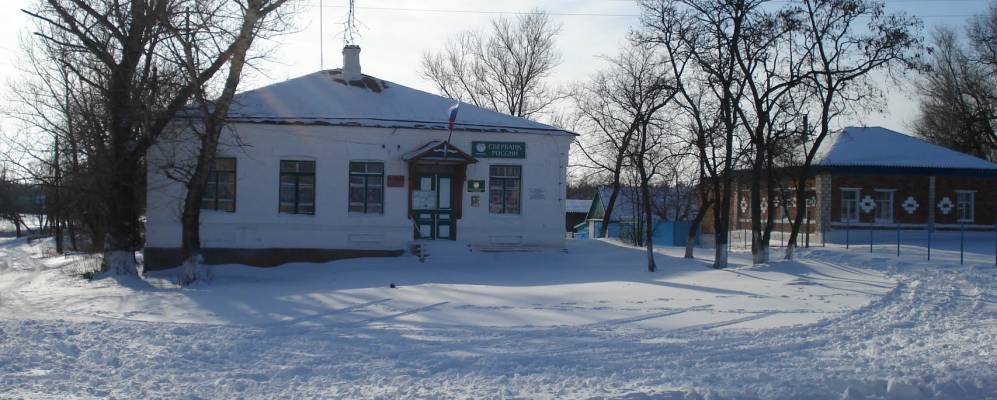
(568, 14)
(458, 11)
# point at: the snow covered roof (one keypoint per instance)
(325, 98)
(577, 206)
(881, 147)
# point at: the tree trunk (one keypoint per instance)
(694, 227)
(72, 236)
(758, 249)
(190, 237)
(765, 245)
(122, 223)
(722, 222)
(606, 217)
(801, 211)
(648, 223)
(214, 122)
(190, 240)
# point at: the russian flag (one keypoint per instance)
(453, 114)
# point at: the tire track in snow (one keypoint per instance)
(711, 325)
(644, 317)
(351, 308)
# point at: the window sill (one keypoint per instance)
(505, 215)
(292, 215)
(208, 210)
(363, 214)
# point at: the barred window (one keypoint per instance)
(219, 190)
(965, 203)
(849, 205)
(884, 206)
(367, 187)
(504, 185)
(297, 187)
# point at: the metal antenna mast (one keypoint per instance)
(350, 25)
(321, 36)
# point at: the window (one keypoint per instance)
(297, 187)
(884, 206)
(219, 190)
(849, 205)
(504, 183)
(367, 187)
(965, 203)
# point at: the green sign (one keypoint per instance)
(475, 186)
(498, 149)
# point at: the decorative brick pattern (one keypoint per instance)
(824, 195)
(925, 190)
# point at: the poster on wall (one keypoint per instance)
(423, 199)
(396, 181)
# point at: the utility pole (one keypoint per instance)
(57, 182)
(56, 202)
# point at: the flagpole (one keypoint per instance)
(447, 144)
(451, 119)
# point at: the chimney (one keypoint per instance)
(351, 63)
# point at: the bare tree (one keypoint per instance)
(705, 203)
(959, 91)
(842, 57)
(650, 155)
(506, 69)
(610, 108)
(115, 53)
(10, 210)
(772, 68)
(702, 39)
(259, 20)
(56, 144)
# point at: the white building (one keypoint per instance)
(338, 164)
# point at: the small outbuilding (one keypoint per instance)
(627, 220)
(574, 212)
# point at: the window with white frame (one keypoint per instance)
(884, 205)
(297, 187)
(965, 203)
(504, 182)
(219, 190)
(849, 205)
(367, 187)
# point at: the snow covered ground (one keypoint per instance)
(588, 322)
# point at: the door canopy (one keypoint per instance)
(437, 152)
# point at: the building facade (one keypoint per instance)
(872, 177)
(337, 164)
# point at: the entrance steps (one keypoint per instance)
(456, 248)
(438, 248)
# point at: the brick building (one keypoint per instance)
(873, 177)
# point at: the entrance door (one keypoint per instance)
(431, 206)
